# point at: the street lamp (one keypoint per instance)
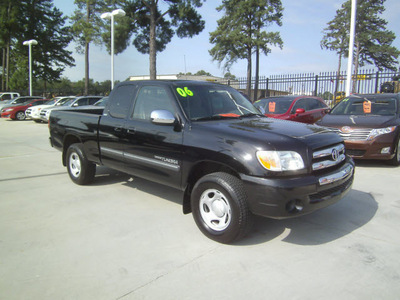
(110, 16)
(30, 43)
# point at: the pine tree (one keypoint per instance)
(155, 28)
(372, 42)
(87, 29)
(240, 32)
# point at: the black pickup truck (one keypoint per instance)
(209, 141)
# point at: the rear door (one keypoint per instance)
(153, 151)
(112, 127)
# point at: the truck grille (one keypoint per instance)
(328, 157)
(352, 134)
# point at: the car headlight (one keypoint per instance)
(8, 109)
(280, 160)
(379, 131)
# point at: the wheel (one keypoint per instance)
(20, 116)
(80, 170)
(37, 121)
(395, 161)
(220, 208)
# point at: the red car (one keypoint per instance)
(17, 112)
(305, 109)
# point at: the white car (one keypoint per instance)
(75, 102)
(34, 111)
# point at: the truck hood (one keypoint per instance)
(372, 121)
(275, 131)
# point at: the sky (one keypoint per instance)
(301, 31)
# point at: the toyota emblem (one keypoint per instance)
(335, 154)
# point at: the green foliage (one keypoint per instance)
(40, 20)
(373, 42)
(155, 28)
(241, 31)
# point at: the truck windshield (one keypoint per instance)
(359, 105)
(205, 102)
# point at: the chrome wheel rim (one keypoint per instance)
(75, 164)
(398, 151)
(20, 115)
(215, 210)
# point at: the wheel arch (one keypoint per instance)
(199, 170)
(68, 141)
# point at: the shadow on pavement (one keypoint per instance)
(320, 227)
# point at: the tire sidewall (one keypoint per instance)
(87, 171)
(236, 199)
(20, 113)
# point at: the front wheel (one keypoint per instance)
(80, 170)
(20, 116)
(220, 208)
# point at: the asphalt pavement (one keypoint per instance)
(127, 238)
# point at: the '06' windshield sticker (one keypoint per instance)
(184, 92)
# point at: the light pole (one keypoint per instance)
(30, 43)
(110, 16)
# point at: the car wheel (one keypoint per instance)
(220, 208)
(395, 161)
(80, 170)
(20, 116)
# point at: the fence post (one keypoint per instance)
(316, 85)
(376, 82)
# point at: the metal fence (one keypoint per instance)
(322, 84)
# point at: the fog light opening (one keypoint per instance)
(385, 150)
(294, 206)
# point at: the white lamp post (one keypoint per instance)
(110, 16)
(30, 43)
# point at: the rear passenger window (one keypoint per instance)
(119, 105)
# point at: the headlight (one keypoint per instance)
(8, 109)
(280, 160)
(379, 131)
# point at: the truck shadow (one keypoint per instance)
(320, 227)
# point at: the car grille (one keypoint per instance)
(360, 134)
(28, 112)
(43, 112)
(326, 194)
(355, 152)
(328, 157)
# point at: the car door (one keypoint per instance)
(304, 117)
(317, 109)
(153, 151)
(112, 132)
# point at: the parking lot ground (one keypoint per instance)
(126, 238)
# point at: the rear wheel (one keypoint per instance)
(20, 116)
(80, 170)
(220, 208)
(395, 161)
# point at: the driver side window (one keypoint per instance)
(151, 98)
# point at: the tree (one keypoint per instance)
(240, 32)
(9, 10)
(87, 28)
(155, 30)
(46, 25)
(372, 41)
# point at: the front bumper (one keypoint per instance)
(285, 198)
(379, 148)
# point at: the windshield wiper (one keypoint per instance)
(217, 117)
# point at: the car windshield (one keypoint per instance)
(20, 100)
(68, 102)
(63, 101)
(359, 105)
(102, 102)
(207, 102)
(50, 102)
(275, 106)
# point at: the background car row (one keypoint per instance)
(38, 109)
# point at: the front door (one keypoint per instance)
(153, 151)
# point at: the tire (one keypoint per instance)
(220, 208)
(80, 170)
(395, 161)
(20, 116)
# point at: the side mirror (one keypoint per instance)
(75, 105)
(162, 117)
(300, 111)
